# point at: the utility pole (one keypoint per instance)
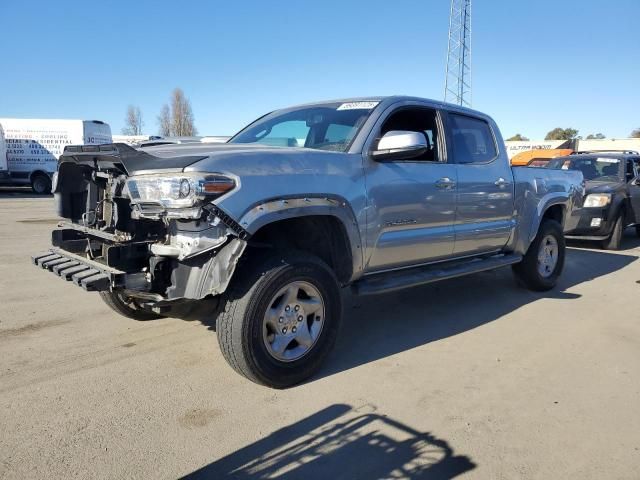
(457, 81)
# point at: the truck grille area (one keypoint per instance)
(86, 273)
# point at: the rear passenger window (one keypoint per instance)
(472, 139)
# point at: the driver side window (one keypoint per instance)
(416, 119)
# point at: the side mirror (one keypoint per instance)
(400, 144)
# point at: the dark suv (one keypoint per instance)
(612, 196)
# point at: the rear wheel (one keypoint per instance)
(127, 307)
(280, 319)
(615, 239)
(41, 184)
(543, 263)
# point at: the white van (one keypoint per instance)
(4, 171)
(34, 145)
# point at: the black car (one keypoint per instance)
(612, 196)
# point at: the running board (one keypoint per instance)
(411, 277)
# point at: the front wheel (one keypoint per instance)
(127, 307)
(280, 319)
(41, 184)
(543, 263)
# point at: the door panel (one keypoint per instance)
(411, 212)
(634, 191)
(634, 194)
(484, 202)
(484, 209)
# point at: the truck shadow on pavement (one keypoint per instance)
(340, 442)
(379, 326)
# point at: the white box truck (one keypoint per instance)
(34, 145)
(4, 171)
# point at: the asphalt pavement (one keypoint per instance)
(469, 378)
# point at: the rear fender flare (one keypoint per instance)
(549, 200)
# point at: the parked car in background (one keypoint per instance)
(168, 141)
(34, 145)
(612, 196)
(215, 139)
(377, 194)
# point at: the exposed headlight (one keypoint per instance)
(597, 200)
(177, 191)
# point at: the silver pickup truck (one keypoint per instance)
(261, 232)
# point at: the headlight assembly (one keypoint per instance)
(597, 200)
(178, 191)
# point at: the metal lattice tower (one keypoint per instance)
(457, 81)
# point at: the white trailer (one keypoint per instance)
(609, 145)
(34, 145)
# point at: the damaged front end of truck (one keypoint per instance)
(140, 227)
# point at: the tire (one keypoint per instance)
(119, 304)
(638, 230)
(41, 184)
(245, 332)
(528, 271)
(615, 239)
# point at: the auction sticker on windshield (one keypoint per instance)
(357, 106)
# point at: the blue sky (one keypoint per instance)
(536, 65)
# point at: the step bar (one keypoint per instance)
(86, 273)
(412, 277)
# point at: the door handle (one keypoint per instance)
(445, 182)
(501, 182)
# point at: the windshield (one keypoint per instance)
(601, 169)
(331, 126)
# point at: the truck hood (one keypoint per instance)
(602, 187)
(231, 158)
(239, 159)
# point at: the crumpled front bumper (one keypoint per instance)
(90, 275)
(208, 274)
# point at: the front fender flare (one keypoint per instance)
(282, 208)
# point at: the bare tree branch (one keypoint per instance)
(182, 123)
(164, 120)
(133, 121)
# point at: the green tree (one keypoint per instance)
(518, 138)
(562, 134)
(635, 133)
(597, 136)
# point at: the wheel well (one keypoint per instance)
(322, 235)
(36, 173)
(554, 212)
